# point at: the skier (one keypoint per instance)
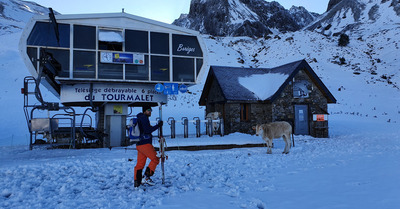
(145, 148)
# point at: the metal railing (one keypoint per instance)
(212, 126)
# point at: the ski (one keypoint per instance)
(163, 146)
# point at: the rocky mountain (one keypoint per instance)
(14, 14)
(301, 16)
(347, 16)
(253, 18)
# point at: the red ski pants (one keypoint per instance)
(146, 151)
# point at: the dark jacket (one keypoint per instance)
(145, 129)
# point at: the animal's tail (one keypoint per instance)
(293, 138)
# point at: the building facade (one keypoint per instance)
(296, 95)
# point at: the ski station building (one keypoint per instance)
(249, 96)
(107, 63)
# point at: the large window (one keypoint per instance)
(110, 71)
(59, 58)
(159, 43)
(84, 64)
(84, 37)
(43, 34)
(186, 46)
(159, 68)
(136, 41)
(110, 40)
(138, 72)
(183, 69)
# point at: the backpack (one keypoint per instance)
(134, 132)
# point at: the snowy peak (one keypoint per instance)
(395, 4)
(239, 12)
(253, 18)
(302, 16)
(14, 14)
(349, 15)
(332, 3)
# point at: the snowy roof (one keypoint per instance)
(258, 84)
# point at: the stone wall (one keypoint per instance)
(258, 114)
(283, 107)
(215, 99)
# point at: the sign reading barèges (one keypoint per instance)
(124, 93)
(184, 45)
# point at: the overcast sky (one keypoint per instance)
(162, 10)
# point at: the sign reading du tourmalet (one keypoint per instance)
(111, 93)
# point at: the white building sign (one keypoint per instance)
(124, 93)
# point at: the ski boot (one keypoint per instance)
(147, 180)
(138, 180)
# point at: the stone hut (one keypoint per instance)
(249, 96)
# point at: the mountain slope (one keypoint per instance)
(13, 17)
(14, 14)
(350, 16)
(364, 76)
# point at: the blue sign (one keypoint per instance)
(122, 57)
(171, 88)
(183, 88)
(159, 87)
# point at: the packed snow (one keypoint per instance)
(356, 168)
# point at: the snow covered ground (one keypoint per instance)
(357, 167)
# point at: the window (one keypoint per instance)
(136, 41)
(84, 37)
(110, 71)
(301, 89)
(59, 60)
(138, 72)
(183, 69)
(159, 68)
(110, 40)
(244, 112)
(186, 46)
(84, 64)
(159, 43)
(32, 54)
(199, 64)
(43, 34)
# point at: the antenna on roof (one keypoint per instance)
(55, 25)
